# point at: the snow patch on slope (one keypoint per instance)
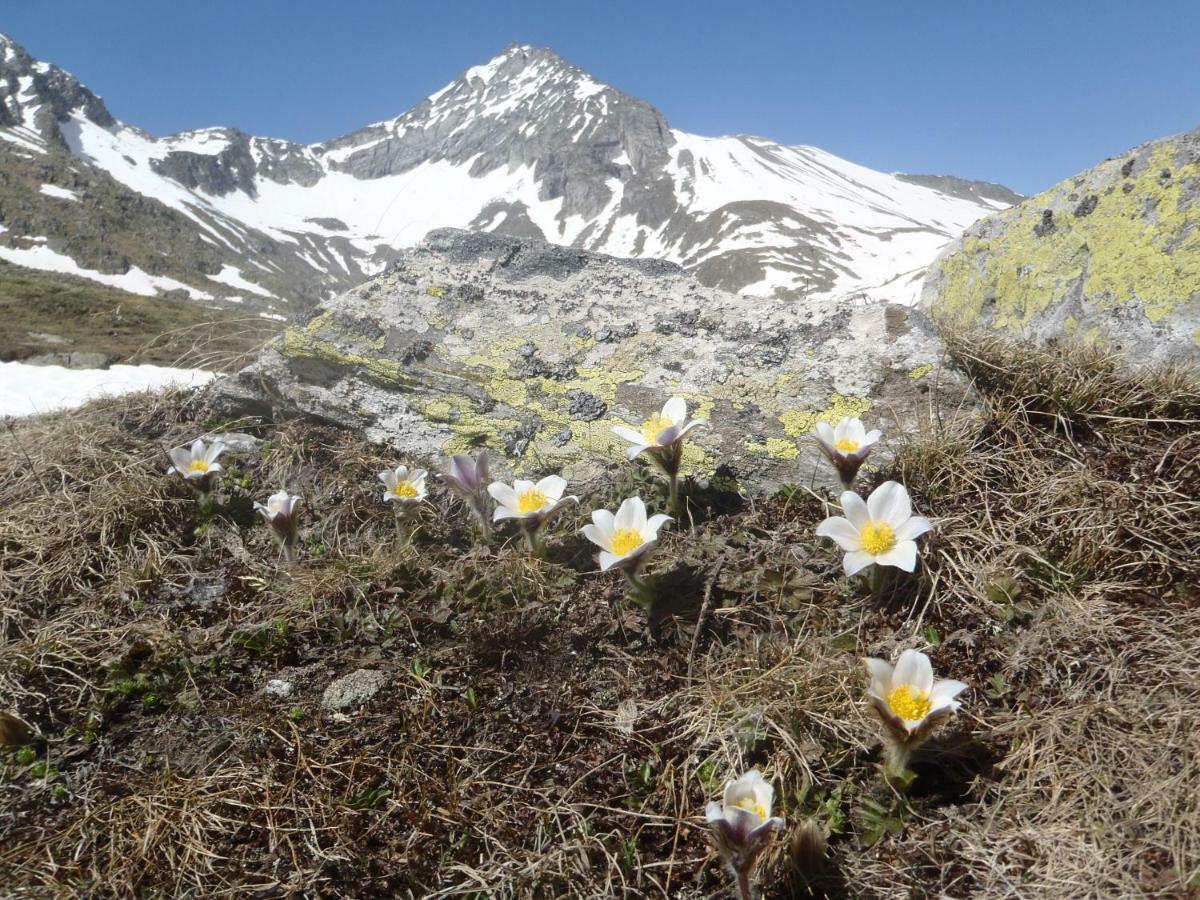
(27, 390)
(232, 276)
(135, 280)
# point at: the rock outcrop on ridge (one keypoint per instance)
(536, 351)
(1111, 255)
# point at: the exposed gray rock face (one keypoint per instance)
(965, 188)
(353, 690)
(536, 351)
(1111, 255)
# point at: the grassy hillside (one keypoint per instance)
(538, 736)
(44, 312)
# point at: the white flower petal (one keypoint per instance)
(855, 509)
(845, 534)
(714, 812)
(628, 434)
(653, 524)
(632, 452)
(675, 410)
(872, 437)
(943, 694)
(608, 560)
(598, 537)
(505, 495)
(388, 478)
(881, 676)
(605, 521)
(552, 486)
(913, 528)
(502, 513)
(902, 556)
(627, 513)
(914, 669)
(889, 503)
(825, 433)
(855, 561)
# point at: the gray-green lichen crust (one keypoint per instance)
(1112, 255)
(536, 351)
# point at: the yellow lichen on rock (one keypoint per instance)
(797, 423)
(920, 371)
(1116, 237)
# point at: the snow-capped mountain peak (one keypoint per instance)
(525, 144)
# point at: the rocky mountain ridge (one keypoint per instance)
(525, 145)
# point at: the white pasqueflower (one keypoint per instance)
(662, 431)
(404, 486)
(198, 462)
(280, 513)
(742, 822)
(908, 694)
(846, 445)
(882, 531)
(530, 502)
(627, 537)
(279, 508)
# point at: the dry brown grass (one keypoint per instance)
(536, 739)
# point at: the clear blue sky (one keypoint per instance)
(1025, 93)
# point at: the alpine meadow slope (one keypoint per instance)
(525, 145)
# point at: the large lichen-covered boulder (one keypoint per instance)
(1111, 255)
(536, 351)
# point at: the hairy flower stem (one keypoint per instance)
(403, 525)
(533, 539)
(639, 589)
(876, 581)
(745, 886)
(288, 552)
(673, 492)
(485, 527)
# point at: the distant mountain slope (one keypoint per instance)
(525, 145)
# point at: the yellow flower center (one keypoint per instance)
(655, 425)
(909, 704)
(753, 806)
(531, 501)
(198, 465)
(405, 489)
(877, 538)
(626, 540)
(847, 445)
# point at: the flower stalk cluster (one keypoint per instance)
(661, 440)
(910, 705)
(281, 514)
(742, 827)
(532, 505)
(468, 478)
